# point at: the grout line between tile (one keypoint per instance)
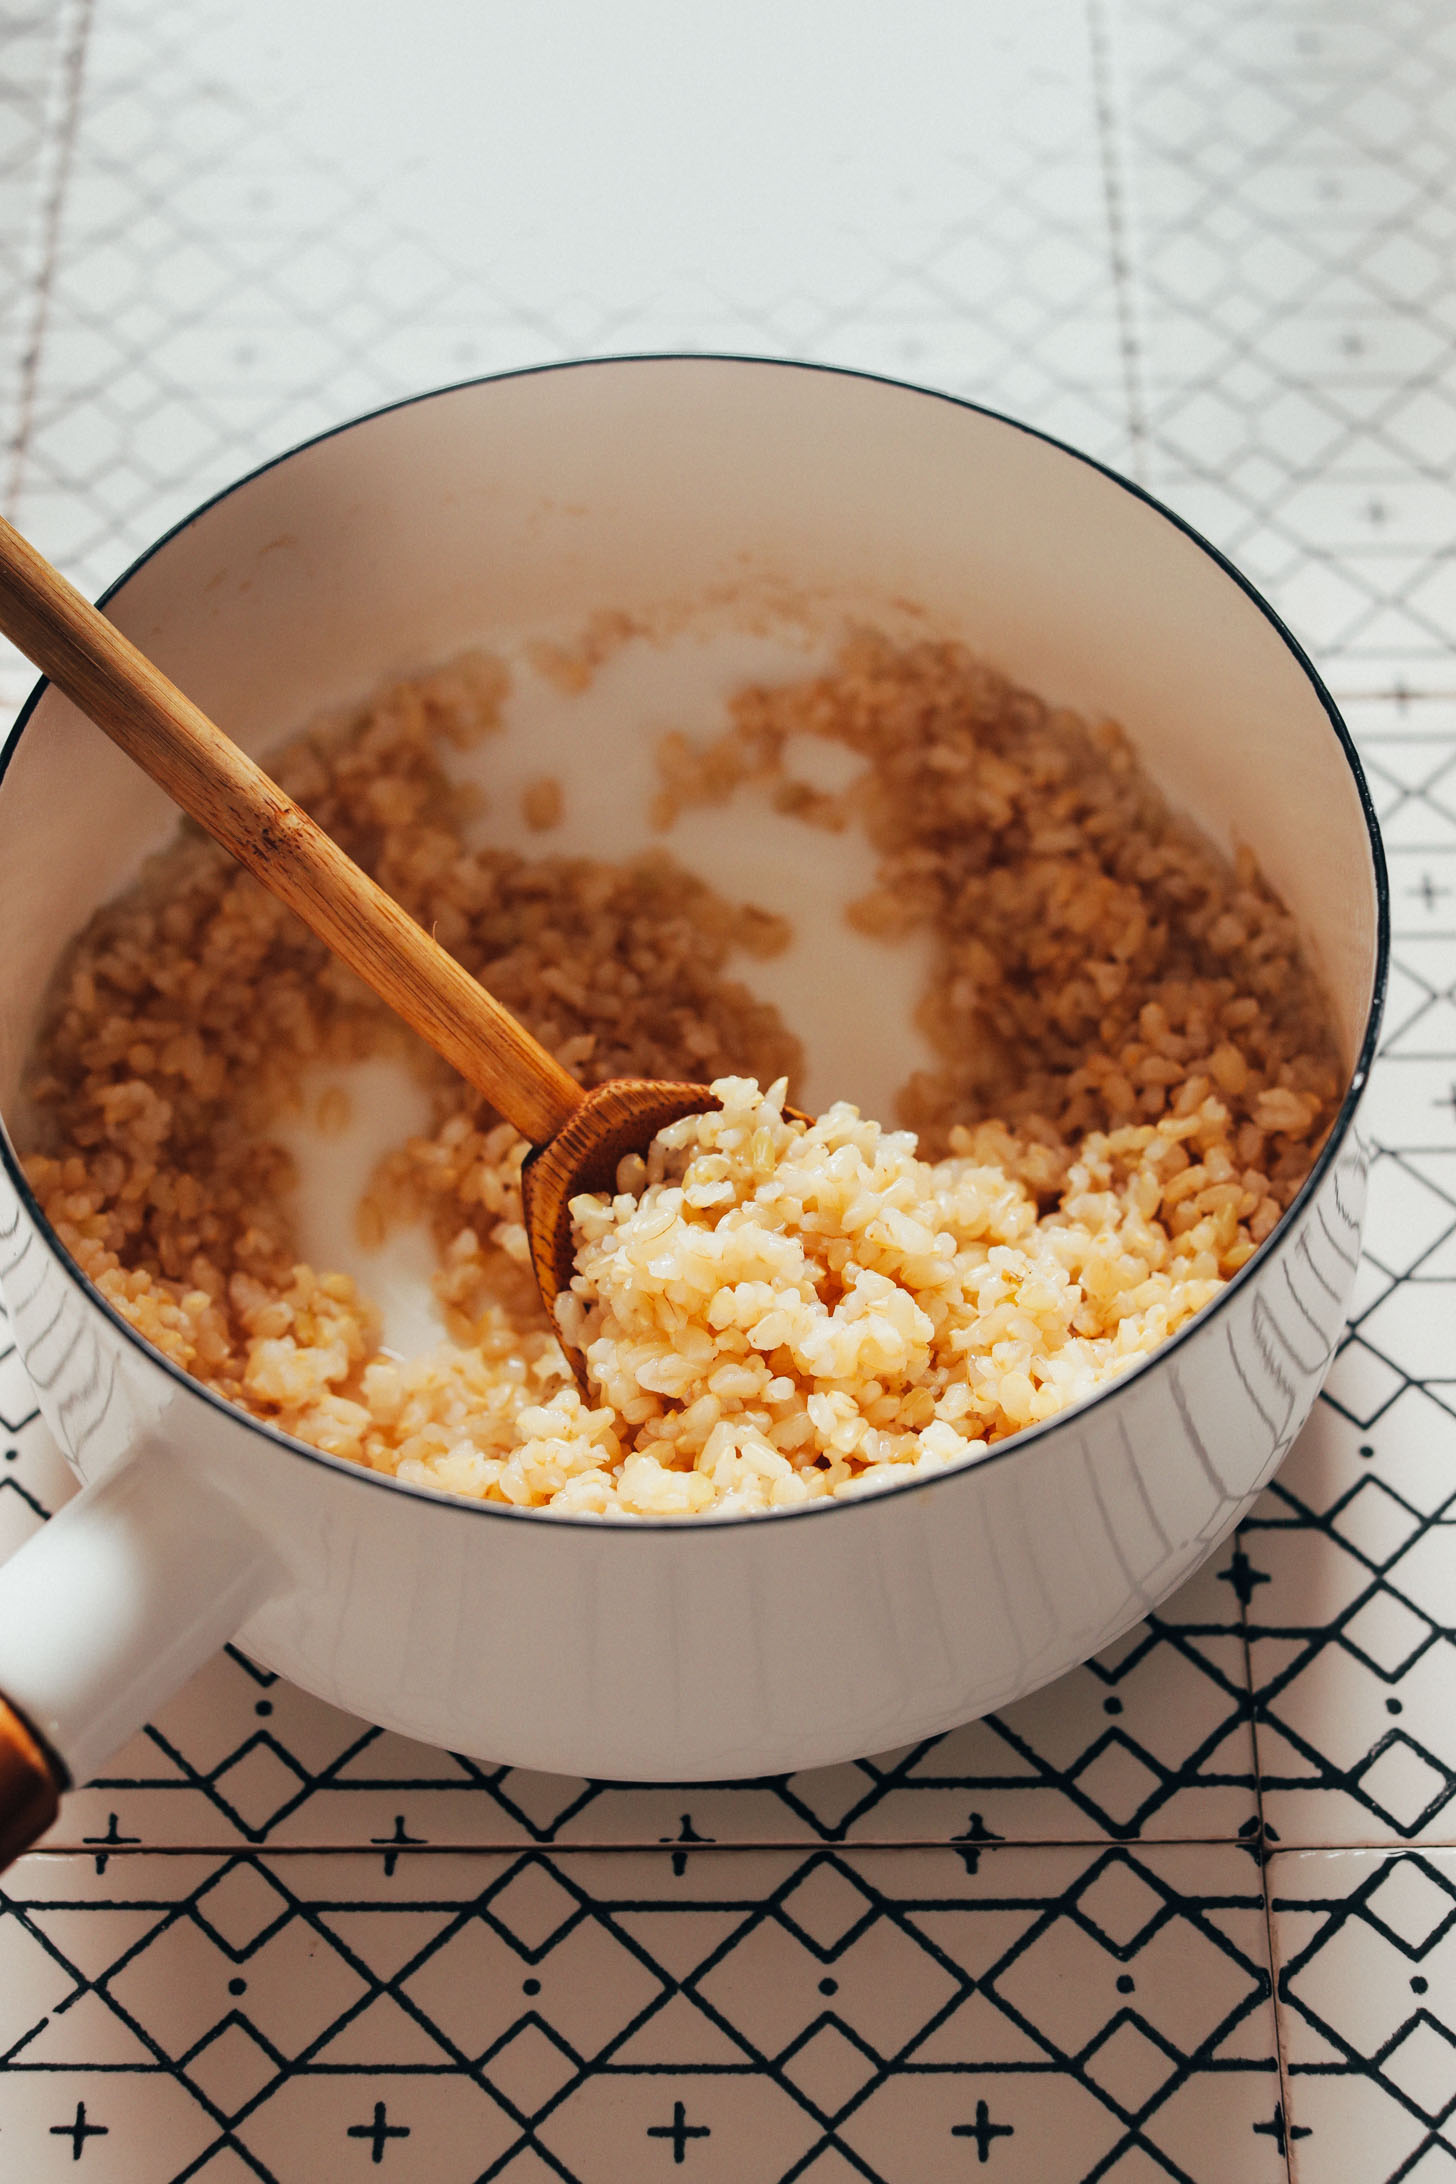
(1397, 693)
(1111, 151)
(1266, 1862)
(72, 72)
(1285, 2109)
(1266, 1859)
(617, 1844)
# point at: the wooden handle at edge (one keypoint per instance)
(230, 796)
(31, 1782)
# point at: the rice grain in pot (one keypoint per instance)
(1133, 1070)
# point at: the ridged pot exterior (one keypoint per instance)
(753, 1646)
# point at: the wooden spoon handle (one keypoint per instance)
(233, 799)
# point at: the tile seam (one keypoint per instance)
(1093, 1846)
(71, 70)
(1267, 1857)
(1117, 209)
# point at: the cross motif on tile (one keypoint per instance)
(686, 1833)
(378, 2131)
(679, 2131)
(79, 2131)
(969, 1842)
(393, 1844)
(113, 1839)
(1277, 2129)
(983, 2131)
(1242, 1575)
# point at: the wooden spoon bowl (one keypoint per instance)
(614, 1119)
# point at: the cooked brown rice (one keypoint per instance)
(1133, 1071)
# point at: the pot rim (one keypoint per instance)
(707, 1526)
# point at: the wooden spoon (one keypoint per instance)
(579, 1135)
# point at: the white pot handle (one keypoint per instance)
(104, 1614)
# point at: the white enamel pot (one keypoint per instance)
(680, 1651)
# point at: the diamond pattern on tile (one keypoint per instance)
(1351, 1633)
(36, 38)
(237, 270)
(1298, 384)
(42, 43)
(1365, 1945)
(1299, 388)
(601, 2015)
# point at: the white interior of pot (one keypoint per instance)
(515, 504)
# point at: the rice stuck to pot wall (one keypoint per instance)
(1133, 1071)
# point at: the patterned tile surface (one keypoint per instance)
(1210, 241)
(1351, 1635)
(1297, 361)
(238, 267)
(31, 155)
(903, 2015)
(1365, 1950)
(1294, 251)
